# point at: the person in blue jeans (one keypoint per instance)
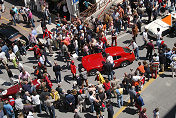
(9, 110)
(50, 106)
(57, 69)
(135, 49)
(119, 92)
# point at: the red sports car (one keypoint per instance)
(122, 56)
(14, 89)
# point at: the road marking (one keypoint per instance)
(16, 24)
(144, 87)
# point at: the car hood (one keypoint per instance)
(92, 61)
(152, 27)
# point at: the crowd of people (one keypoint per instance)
(76, 37)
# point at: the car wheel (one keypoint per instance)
(124, 64)
(92, 72)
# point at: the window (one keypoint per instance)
(116, 57)
(126, 50)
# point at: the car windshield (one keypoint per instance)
(103, 54)
(15, 36)
(126, 50)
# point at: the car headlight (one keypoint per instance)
(4, 92)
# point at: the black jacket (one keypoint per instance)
(107, 67)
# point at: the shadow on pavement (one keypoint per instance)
(127, 41)
(43, 115)
(129, 110)
(171, 113)
(68, 78)
(88, 115)
(6, 84)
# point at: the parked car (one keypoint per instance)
(122, 56)
(10, 35)
(165, 24)
(16, 88)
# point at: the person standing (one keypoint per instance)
(173, 66)
(17, 52)
(44, 55)
(114, 37)
(107, 68)
(110, 59)
(9, 110)
(158, 37)
(73, 69)
(145, 37)
(135, 49)
(70, 100)
(49, 45)
(155, 13)
(36, 101)
(107, 87)
(12, 13)
(50, 106)
(132, 94)
(23, 14)
(92, 99)
(162, 60)
(149, 11)
(19, 104)
(110, 109)
(84, 77)
(140, 69)
(134, 32)
(16, 13)
(117, 25)
(47, 15)
(2, 6)
(30, 19)
(142, 114)
(13, 58)
(57, 69)
(150, 49)
(156, 113)
(119, 92)
(139, 102)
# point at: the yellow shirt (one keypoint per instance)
(55, 96)
(101, 79)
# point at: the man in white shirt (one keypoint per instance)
(158, 37)
(19, 104)
(3, 58)
(145, 37)
(16, 52)
(135, 49)
(92, 99)
(110, 59)
(36, 101)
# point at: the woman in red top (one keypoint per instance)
(73, 69)
(107, 87)
(104, 40)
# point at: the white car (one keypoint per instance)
(164, 24)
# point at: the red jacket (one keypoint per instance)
(48, 81)
(103, 39)
(36, 50)
(47, 34)
(12, 102)
(73, 68)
